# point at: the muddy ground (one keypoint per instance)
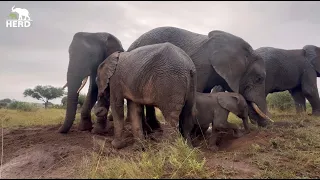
(42, 152)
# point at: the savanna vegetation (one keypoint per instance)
(289, 149)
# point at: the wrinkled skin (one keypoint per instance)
(214, 108)
(161, 75)
(86, 52)
(296, 71)
(220, 59)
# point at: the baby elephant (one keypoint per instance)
(160, 75)
(215, 107)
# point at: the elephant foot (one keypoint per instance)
(85, 125)
(213, 148)
(155, 135)
(316, 113)
(118, 144)
(99, 130)
(237, 134)
(63, 129)
(138, 146)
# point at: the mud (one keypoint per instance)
(42, 152)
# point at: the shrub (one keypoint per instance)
(22, 106)
(280, 100)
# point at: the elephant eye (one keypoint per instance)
(258, 79)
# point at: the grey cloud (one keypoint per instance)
(39, 54)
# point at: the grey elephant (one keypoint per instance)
(86, 52)
(214, 108)
(220, 58)
(160, 75)
(296, 71)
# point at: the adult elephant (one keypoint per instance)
(220, 58)
(86, 52)
(294, 70)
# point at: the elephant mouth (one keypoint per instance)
(259, 112)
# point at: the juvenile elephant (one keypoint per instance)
(215, 107)
(160, 75)
(294, 70)
(220, 58)
(86, 52)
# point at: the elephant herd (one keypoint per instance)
(175, 70)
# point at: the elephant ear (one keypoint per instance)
(226, 55)
(312, 53)
(229, 102)
(106, 70)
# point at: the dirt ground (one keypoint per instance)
(42, 152)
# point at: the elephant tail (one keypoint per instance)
(189, 110)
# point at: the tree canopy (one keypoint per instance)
(44, 93)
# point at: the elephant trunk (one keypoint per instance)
(72, 102)
(257, 112)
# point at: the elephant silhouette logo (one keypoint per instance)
(21, 12)
(19, 17)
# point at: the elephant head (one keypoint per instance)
(312, 54)
(86, 52)
(105, 71)
(244, 71)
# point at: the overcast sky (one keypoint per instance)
(39, 54)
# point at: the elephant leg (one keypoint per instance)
(100, 126)
(213, 140)
(135, 118)
(118, 121)
(145, 126)
(299, 100)
(310, 91)
(245, 120)
(85, 121)
(151, 118)
(221, 122)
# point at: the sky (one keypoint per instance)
(38, 55)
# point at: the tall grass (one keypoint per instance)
(167, 160)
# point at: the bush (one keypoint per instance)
(22, 106)
(280, 100)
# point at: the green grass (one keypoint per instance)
(41, 117)
(168, 160)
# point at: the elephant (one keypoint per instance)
(215, 107)
(160, 75)
(296, 71)
(86, 52)
(220, 58)
(216, 89)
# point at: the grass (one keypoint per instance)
(41, 117)
(167, 160)
(286, 151)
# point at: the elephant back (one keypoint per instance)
(186, 40)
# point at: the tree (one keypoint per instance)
(5, 102)
(44, 93)
(64, 101)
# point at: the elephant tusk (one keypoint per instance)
(83, 84)
(65, 85)
(256, 108)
